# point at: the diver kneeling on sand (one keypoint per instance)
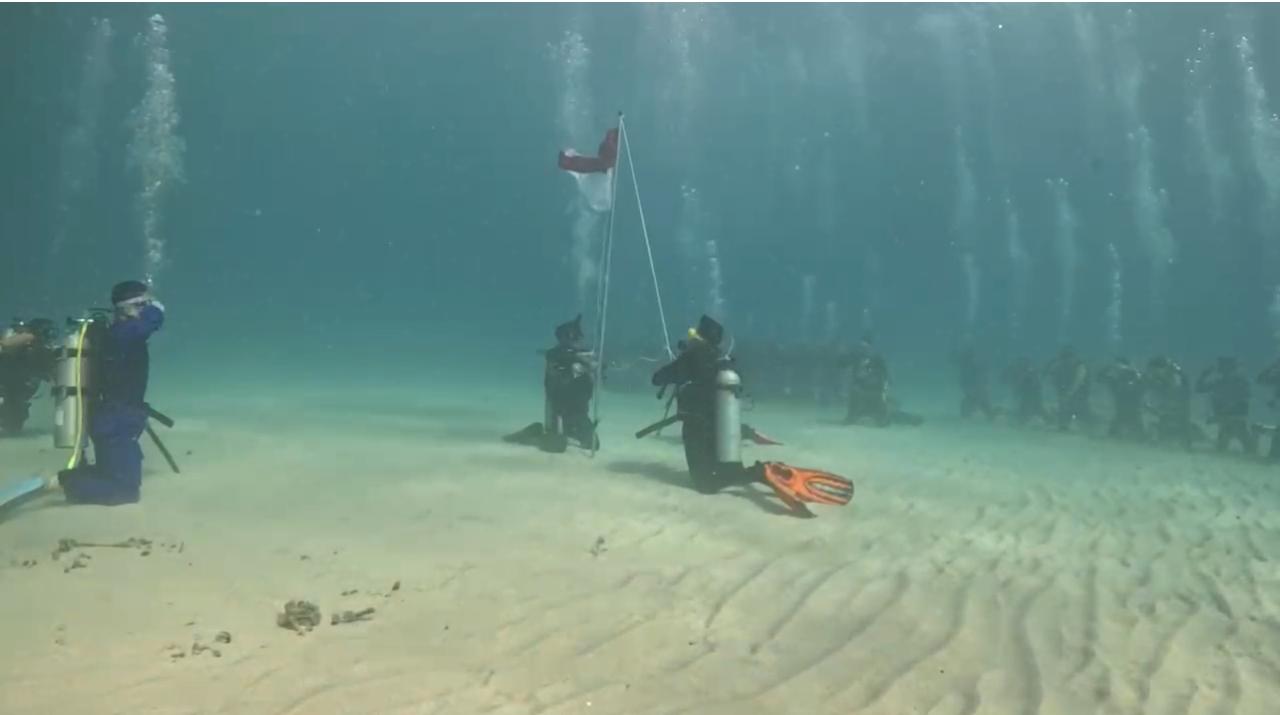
(707, 408)
(869, 390)
(26, 360)
(568, 388)
(118, 410)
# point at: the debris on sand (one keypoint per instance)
(352, 616)
(299, 616)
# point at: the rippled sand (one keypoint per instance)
(979, 570)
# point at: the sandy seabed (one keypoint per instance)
(978, 570)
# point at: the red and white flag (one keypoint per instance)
(594, 174)
(606, 157)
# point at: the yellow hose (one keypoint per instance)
(78, 449)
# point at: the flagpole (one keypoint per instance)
(603, 299)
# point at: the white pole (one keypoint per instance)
(603, 296)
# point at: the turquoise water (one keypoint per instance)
(1030, 176)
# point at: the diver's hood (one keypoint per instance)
(571, 331)
(709, 330)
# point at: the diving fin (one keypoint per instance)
(758, 437)
(531, 435)
(796, 486)
(15, 494)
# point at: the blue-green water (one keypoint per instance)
(348, 174)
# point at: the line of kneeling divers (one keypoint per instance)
(1153, 404)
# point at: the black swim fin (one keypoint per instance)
(530, 436)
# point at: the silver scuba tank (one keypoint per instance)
(728, 416)
(71, 367)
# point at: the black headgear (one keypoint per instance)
(571, 331)
(709, 330)
(127, 290)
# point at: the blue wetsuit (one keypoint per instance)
(119, 416)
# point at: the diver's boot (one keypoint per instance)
(553, 442)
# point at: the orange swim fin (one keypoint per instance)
(796, 486)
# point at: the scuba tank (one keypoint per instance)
(728, 416)
(72, 377)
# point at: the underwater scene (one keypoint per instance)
(640, 359)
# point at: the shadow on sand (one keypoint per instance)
(398, 410)
(655, 471)
(679, 478)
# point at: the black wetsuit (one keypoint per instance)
(1028, 392)
(1127, 389)
(693, 373)
(1229, 399)
(569, 387)
(1170, 396)
(869, 390)
(976, 395)
(1271, 378)
(21, 372)
(1073, 383)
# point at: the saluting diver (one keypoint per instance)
(1073, 382)
(1169, 397)
(869, 390)
(119, 411)
(974, 384)
(568, 385)
(1127, 389)
(1024, 380)
(1228, 392)
(1270, 377)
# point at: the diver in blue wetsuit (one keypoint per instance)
(118, 414)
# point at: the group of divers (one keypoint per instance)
(1152, 404)
(705, 389)
(98, 372)
(99, 375)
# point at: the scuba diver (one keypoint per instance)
(13, 340)
(869, 390)
(1028, 392)
(1169, 398)
(1072, 382)
(1127, 388)
(1271, 378)
(118, 409)
(868, 386)
(973, 383)
(707, 391)
(568, 385)
(26, 360)
(833, 360)
(1228, 392)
